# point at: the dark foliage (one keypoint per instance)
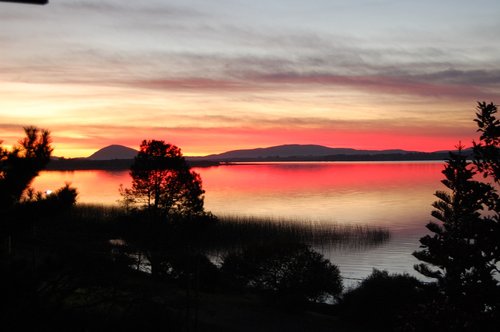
(48, 204)
(383, 301)
(293, 272)
(165, 189)
(189, 269)
(236, 232)
(79, 291)
(439, 313)
(487, 150)
(455, 248)
(62, 164)
(463, 253)
(160, 242)
(163, 183)
(22, 164)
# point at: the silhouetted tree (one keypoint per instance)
(461, 250)
(163, 182)
(464, 252)
(22, 164)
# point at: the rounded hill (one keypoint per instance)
(113, 152)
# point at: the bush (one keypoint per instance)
(382, 300)
(294, 272)
(184, 266)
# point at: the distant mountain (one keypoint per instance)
(119, 157)
(298, 150)
(113, 152)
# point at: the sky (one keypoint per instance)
(212, 76)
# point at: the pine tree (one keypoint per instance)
(461, 265)
(463, 253)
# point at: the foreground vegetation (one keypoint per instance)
(88, 268)
(152, 264)
(239, 231)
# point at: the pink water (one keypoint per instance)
(395, 195)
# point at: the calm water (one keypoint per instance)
(395, 195)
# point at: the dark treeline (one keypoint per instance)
(411, 156)
(124, 164)
(62, 164)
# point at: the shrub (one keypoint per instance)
(382, 300)
(292, 271)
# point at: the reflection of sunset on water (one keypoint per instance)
(94, 186)
(338, 175)
(394, 195)
(383, 194)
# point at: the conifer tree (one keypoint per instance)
(459, 251)
(463, 253)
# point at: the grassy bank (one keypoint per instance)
(233, 232)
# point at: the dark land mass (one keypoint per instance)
(123, 164)
(297, 152)
(118, 157)
(112, 165)
(413, 156)
(113, 152)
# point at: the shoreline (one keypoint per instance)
(124, 164)
(110, 165)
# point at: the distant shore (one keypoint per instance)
(62, 164)
(417, 156)
(111, 165)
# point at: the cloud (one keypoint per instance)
(227, 125)
(133, 9)
(217, 72)
(379, 84)
(464, 77)
(190, 84)
(464, 87)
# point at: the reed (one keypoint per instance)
(229, 231)
(237, 231)
(97, 213)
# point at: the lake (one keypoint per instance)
(394, 195)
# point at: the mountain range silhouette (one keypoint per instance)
(286, 151)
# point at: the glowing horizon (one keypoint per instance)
(224, 76)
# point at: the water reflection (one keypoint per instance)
(384, 194)
(395, 195)
(93, 186)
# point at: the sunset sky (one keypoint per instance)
(212, 76)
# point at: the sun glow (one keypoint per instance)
(83, 119)
(268, 81)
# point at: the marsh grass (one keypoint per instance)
(95, 213)
(237, 231)
(229, 232)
